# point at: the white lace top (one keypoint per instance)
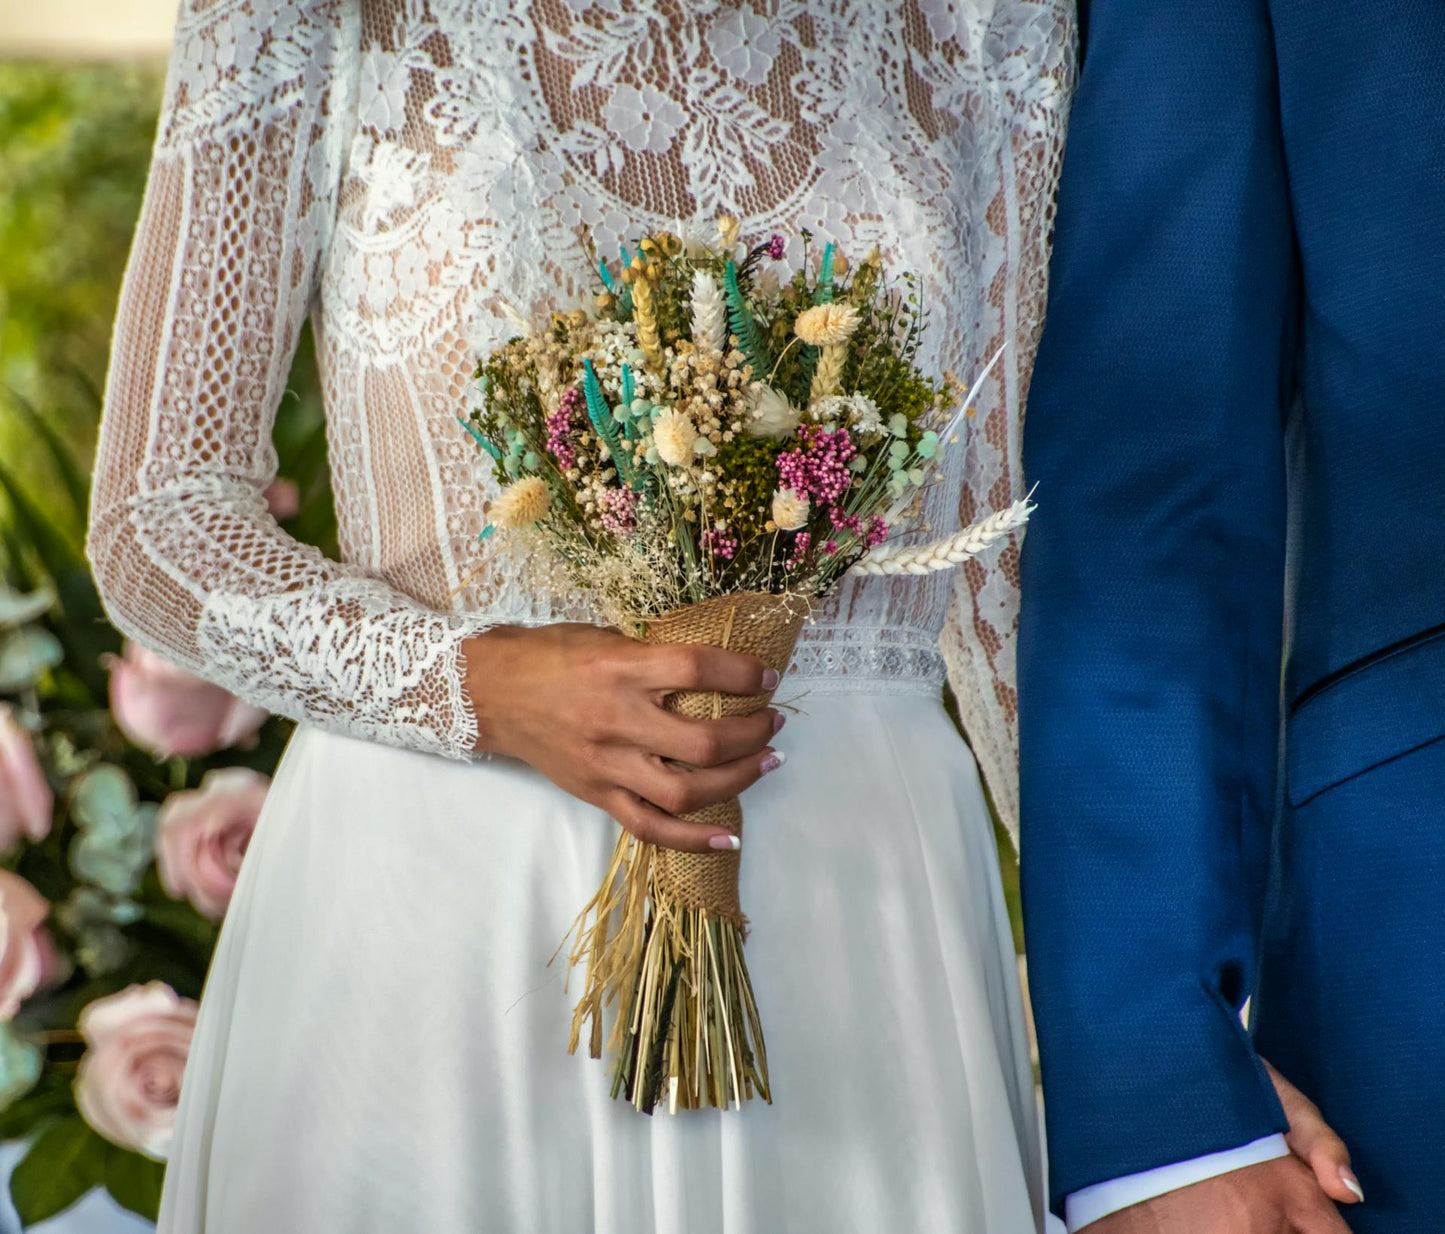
(395, 167)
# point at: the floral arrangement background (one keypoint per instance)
(128, 787)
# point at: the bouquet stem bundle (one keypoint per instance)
(687, 1027)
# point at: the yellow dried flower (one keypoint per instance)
(728, 230)
(522, 504)
(674, 436)
(827, 325)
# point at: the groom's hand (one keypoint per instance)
(1291, 1195)
(1275, 1197)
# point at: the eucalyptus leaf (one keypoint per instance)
(66, 1160)
(20, 1066)
(104, 797)
(25, 654)
(16, 609)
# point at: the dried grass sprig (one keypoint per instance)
(951, 550)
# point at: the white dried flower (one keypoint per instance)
(827, 325)
(522, 504)
(709, 317)
(790, 509)
(864, 414)
(773, 414)
(673, 436)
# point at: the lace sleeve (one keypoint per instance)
(237, 213)
(1030, 48)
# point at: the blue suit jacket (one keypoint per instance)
(1244, 337)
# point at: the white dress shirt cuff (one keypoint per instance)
(1090, 1204)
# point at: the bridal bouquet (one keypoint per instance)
(706, 450)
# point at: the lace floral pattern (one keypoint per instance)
(411, 173)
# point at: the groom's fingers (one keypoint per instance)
(1315, 1143)
(1307, 1209)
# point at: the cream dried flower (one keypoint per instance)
(773, 414)
(674, 436)
(522, 504)
(790, 509)
(827, 325)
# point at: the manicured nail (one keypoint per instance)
(774, 760)
(1353, 1183)
(779, 719)
(728, 842)
(770, 679)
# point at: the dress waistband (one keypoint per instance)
(866, 660)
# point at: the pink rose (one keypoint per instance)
(27, 956)
(164, 709)
(202, 834)
(283, 499)
(129, 1081)
(26, 802)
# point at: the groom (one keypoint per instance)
(1237, 430)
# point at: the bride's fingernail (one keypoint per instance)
(779, 719)
(1347, 1177)
(774, 760)
(770, 679)
(728, 842)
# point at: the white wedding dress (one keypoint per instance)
(381, 1044)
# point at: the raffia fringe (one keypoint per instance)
(663, 937)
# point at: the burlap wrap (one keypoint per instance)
(754, 623)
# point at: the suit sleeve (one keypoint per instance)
(1150, 640)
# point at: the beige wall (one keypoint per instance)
(86, 27)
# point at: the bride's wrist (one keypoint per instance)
(490, 659)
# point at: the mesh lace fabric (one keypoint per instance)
(407, 174)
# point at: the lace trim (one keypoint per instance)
(860, 659)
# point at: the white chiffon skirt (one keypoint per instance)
(382, 1045)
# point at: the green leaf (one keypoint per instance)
(77, 488)
(54, 549)
(21, 1119)
(134, 1182)
(66, 1160)
(16, 609)
(25, 655)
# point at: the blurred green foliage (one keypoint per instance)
(75, 145)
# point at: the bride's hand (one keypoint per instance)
(583, 706)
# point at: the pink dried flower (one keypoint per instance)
(559, 428)
(819, 467)
(619, 510)
(720, 542)
(777, 246)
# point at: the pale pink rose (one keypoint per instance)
(283, 499)
(129, 1081)
(164, 709)
(202, 835)
(26, 802)
(27, 957)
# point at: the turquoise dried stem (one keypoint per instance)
(479, 439)
(745, 326)
(601, 416)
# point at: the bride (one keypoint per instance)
(381, 1044)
